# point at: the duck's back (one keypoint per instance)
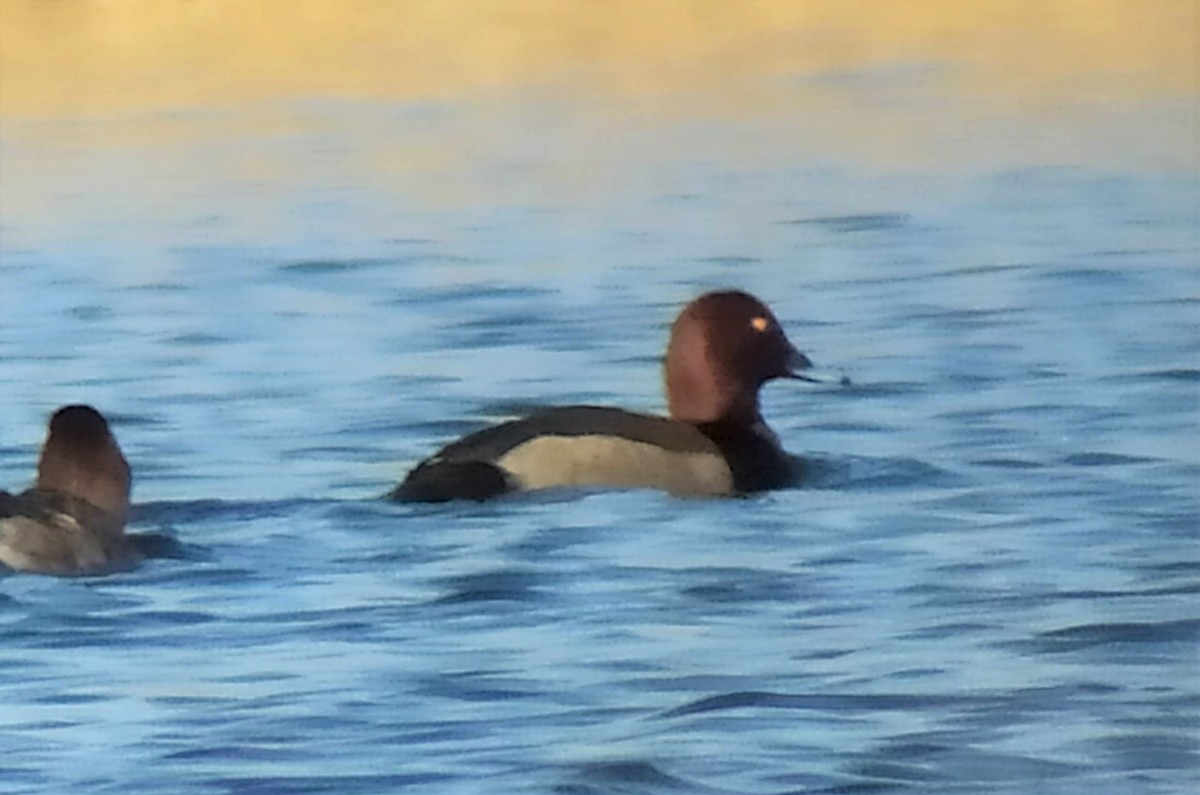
(574, 446)
(54, 533)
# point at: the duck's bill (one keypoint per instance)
(796, 362)
(800, 368)
(822, 377)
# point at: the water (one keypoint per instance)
(988, 584)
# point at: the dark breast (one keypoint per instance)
(754, 456)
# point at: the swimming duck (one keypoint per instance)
(72, 521)
(723, 347)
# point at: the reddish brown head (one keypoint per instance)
(81, 458)
(724, 346)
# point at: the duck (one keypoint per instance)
(72, 521)
(723, 347)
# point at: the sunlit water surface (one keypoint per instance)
(989, 582)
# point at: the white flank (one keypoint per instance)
(549, 461)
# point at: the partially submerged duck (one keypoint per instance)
(72, 521)
(723, 347)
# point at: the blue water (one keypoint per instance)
(989, 583)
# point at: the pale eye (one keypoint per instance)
(759, 323)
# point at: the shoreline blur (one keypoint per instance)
(84, 58)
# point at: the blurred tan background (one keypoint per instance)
(112, 55)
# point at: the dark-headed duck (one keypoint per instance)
(73, 519)
(724, 346)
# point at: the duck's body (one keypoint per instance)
(601, 447)
(724, 346)
(54, 533)
(73, 520)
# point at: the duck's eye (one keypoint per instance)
(759, 323)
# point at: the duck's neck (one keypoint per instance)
(698, 392)
(101, 479)
(706, 402)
